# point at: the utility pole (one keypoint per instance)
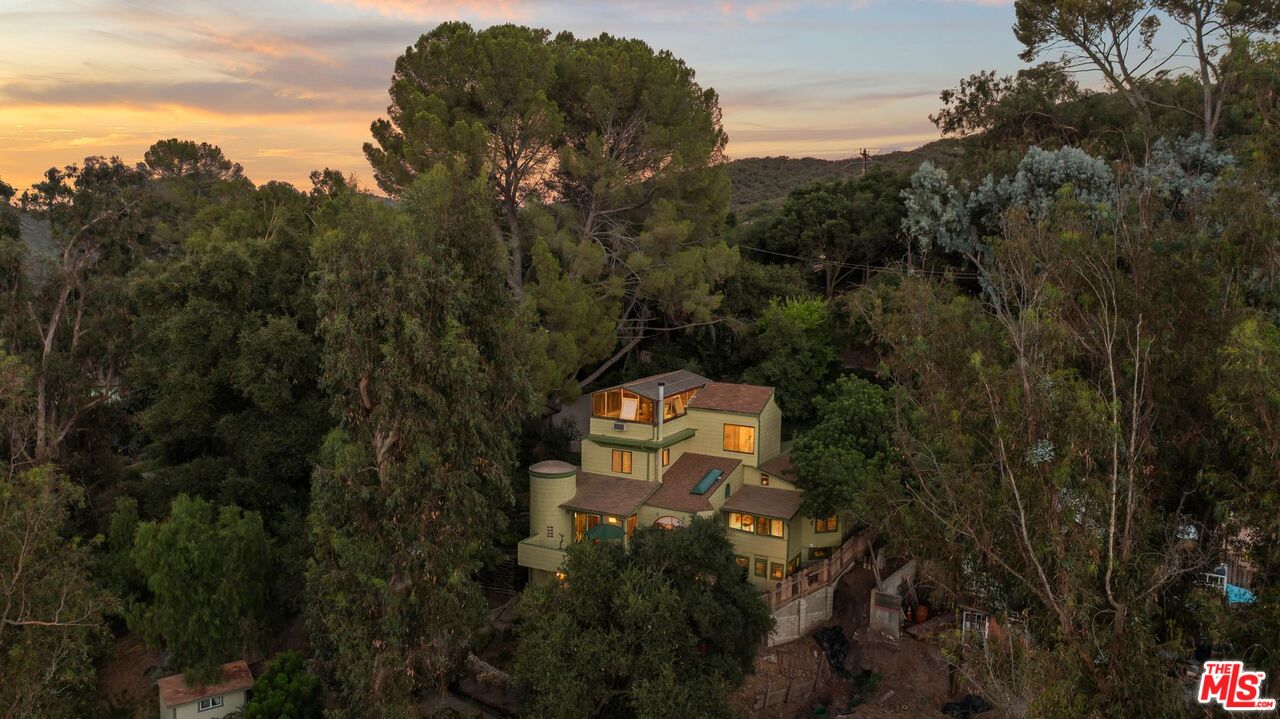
(867, 158)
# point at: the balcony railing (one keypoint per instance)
(817, 576)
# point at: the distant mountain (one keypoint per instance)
(768, 180)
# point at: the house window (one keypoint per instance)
(974, 622)
(622, 461)
(764, 480)
(208, 703)
(668, 522)
(726, 491)
(631, 525)
(613, 520)
(743, 560)
(823, 525)
(816, 553)
(775, 571)
(739, 438)
(793, 565)
(666, 456)
(755, 524)
(762, 566)
(583, 523)
(622, 404)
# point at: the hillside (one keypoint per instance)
(767, 180)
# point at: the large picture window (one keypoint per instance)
(739, 438)
(755, 524)
(622, 461)
(582, 522)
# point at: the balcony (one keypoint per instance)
(537, 552)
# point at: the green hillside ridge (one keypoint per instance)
(768, 180)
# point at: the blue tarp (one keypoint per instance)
(1239, 595)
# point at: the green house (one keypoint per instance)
(664, 449)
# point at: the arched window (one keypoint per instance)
(668, 522)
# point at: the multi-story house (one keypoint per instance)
(664, 449)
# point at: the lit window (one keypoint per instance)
(769, 527)
(825, 524)
(766, 526)
(817, 553)
(631, 524)
(666, 456)
(622, 461)
(613, 520)
(582, 523)
(775, 571)
(208, 703)
(764, 480)
(762, 566)
(743, 522)
(742, 560)
(739, 438)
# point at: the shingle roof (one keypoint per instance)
(725, 397)
(765, 501)
(780, 467)
(681, 477)
(677, 381)
(609, 495)
(234, 677)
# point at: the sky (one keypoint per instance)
(289, 86)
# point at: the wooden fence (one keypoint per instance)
(816, 576)
(792, 690)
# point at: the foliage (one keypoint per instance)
(794, 340)
(423, 357)
(601, 160)
(52, 609)
(229, 357)
(662, 628)
(847, 461)
(207, 569)
(286, 690)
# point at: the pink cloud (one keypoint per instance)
(488, 10)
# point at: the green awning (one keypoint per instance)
(605, 532)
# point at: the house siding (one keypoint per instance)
(231, 702)
(709, 438)
(770, 432)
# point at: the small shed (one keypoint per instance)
(213, 701)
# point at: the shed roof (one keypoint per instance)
(780, 467)
(234, 676)
(680, 478)
(765, 501)
(605, 494)
(677, 381)
(726, 397)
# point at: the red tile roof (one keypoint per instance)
(605, 494)
(234, 677)
(725, 397)
(681, 477)
(765, 501)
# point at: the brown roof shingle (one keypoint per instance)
(765, 501)
(609, 495)
(234, 677)
(683, 475)
(780, 467)
(726, 397)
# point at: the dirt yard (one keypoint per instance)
(913, 677)
(127, 678)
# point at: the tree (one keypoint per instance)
(227, 356)
(847, 460)
(51, 611)
(76, 336)
(662, 628)
(208, 570)
(601, 151)
(482, 98)
(794, 339)
(286, 690)
(424, 358)
(1056, 430)
(1118, 39)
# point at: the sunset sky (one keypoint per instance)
(288, 86)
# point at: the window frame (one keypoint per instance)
(780, 573)
(761, 525)
(761, 566)
(213, 703)
(826, 525)
(736, 430)
(666, 456)
(627, 461)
